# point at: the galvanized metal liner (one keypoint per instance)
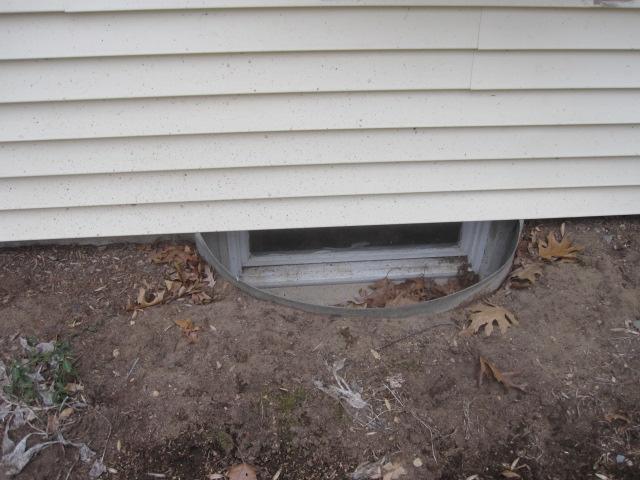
(495, 268)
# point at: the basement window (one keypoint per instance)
(335, 238)
(270, 259)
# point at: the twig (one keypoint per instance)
(417, 332)
(422, 422)
(135, 362)
(106, 443)
(72, 467)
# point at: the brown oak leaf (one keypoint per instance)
(552, 251)
(484, 315)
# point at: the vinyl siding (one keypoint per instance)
(139, 117)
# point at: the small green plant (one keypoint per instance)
(43, 374)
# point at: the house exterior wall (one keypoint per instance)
(154, 117)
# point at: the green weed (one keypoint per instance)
(42, 374)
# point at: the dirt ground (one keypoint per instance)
(245, 392)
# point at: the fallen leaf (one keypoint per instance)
(73, 388)
(484, 315)
(16, 460)
(148, 299)
(189, 330)
(369, 470)
(66, 413)
(53, 423)
(611, 417)
(525, 276)
(392, 471)
(490, 370)
(175, 253)
(209, 278)
(97, 469)
(552, 250)
(241, 471)
(386, 293)
(510, 474)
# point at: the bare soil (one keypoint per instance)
(244, 391)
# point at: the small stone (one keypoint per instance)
(116, 353)
(155, 393)
(417, 462)
(620, 459)
(218, 365)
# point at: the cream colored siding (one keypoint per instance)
(149, 117)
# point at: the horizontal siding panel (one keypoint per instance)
(115, 5)
(190, 152)
(538, 29)
(223, 74)
(54, 35)
(570, 70)
(187, 115)
(315, 181)
(182, 75)
(18, 225)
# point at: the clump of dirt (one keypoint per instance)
(244, 390)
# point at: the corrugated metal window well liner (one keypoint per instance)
(332, 270)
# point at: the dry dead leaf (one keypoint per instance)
(386, 293)
(148, 299)
(525, 276)
(189, 330)
(484, 314)
(175, 253)
(392, 471)
(53, 423)
(66, 413)
(490, 370)
(186, 276)
(209, 278)
(611, 417)
(73, 388)
(551, 250)
(510, 474)
(242, 471)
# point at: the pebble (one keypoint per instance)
(417, 462)
(155, 393)
(620, 459)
